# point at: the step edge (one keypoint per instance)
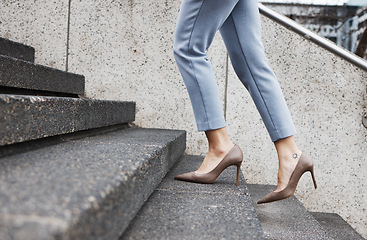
(28, 69)
(25, 49)
(72, 106)
(298, 202)
(351, 229)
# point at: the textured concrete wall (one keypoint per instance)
(124, 49)
(40, 23)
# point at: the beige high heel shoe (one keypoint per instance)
(233, 158)
(305, 164)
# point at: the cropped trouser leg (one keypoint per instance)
(197, 24)
(239, 24)
(241, 33)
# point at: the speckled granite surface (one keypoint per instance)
(86, 188)
(183, 210)
(25, 118)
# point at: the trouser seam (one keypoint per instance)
(250, 70)
(192, 66)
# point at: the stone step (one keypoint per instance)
(336, 226)
(24, 118)
(287, 219)
(16, 50)
(15, 73)
(88, 188)
(183, 210)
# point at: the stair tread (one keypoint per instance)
(17, 73)
(336, 226)
(287, 219)
(86, 188)
(24, 118)
(182, 210)
(16, 50)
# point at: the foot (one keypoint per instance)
(213, 158)
(287, 164)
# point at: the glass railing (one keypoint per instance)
(314, 37)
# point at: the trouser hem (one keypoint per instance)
(211, 125)
(281, 134)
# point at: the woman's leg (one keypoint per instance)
(288, 155)
(242, 35)
(198, 22)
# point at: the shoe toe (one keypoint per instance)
(184, 176)
(270, 197)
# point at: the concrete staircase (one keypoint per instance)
(71, 167)
(75, 168)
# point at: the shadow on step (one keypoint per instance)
(183, 210)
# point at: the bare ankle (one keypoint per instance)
(221, 148)
(287, 149)
(218, 140)
(290, 156)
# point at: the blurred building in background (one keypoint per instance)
(344, 24)
(361, 32)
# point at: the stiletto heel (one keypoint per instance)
(305, 164)
(313, 178)
(238, 172)
(233, 157)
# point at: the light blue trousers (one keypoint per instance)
(239, 25)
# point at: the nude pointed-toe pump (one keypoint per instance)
(305, 164)
(233, 158)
